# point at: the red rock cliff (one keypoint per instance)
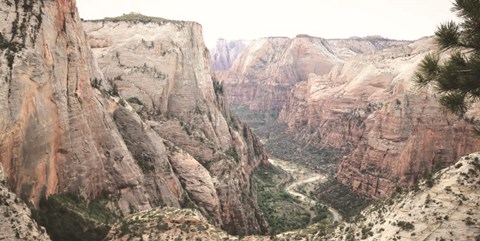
(264, 72)
(63, 127)
(369, 104)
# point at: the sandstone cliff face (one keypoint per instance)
(162, 69)
(267, 69)
(15, 218)
(369, 105)
(63, 127)
(56, 133)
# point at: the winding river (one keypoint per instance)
(302, 176)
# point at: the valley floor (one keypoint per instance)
(302, 177)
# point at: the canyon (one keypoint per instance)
(357, 97)
(442, 208)
(260, 74)
(122, 129)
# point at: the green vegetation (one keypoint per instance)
(96, 83)
(11, 48)
(281, 210)
(321, 213)
(145, 161)
(341, 197)
(407, 226)
(469, 221)
(281, 144)
(135, 17)
(114, 91)
(134, 100)
(217, 87)
(69, 217)
(233, 153)
(456, 79)
(138, 17)
(367, 231)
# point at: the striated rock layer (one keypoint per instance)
(162, 69)
(156, 131)
(265, 70)
(355, 95)
(56, 133)
(368, 104)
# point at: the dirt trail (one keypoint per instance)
(301, 176)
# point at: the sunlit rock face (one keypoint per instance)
(268, 68)
(162, 69)
(368, 104)
(56, 131)
(148, 128)
(265, 70)
(355, 95)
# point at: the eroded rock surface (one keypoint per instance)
(264, 72)
(356, 96)
(162, 69)
(126, 133)
(56, 132)
(444, 208)
(369, 105)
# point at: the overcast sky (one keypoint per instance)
(252, 19)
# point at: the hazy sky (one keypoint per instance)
(252, 19)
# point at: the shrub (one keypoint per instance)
(134, 100)
(405, 225)
(233, 153)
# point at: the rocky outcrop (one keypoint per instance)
(262, 75)
(444, 207)
(369, 105)
(131, 136)
(162, 69)
(16, 222)
(167, 224)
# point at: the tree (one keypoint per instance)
(457, 79)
